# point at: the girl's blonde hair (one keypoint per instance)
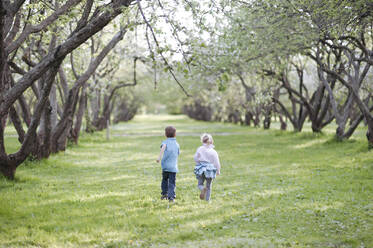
(206, 138)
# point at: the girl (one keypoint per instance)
(207, 165)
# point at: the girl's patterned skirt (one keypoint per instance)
(205, 168)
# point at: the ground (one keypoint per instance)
(276, 189)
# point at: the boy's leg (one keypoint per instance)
(209, 188)
(171, 185)
(164, 184)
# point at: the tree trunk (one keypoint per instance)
(354, 125)
(95, 107)
(17, 124)
(283, 123)
(248, 118)
(8, 170)
(46, 139)
(26, 115)
(369, 134)
(257, 117)
(89, 127)
(267, 117)
(79, 115)
(61, 131)
(42, 120)
(54, 106)
(363, 108)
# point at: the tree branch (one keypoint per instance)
(41, 26)
(160, 51)
(95, 25)
(73, 92)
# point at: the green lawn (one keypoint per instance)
(277, 189)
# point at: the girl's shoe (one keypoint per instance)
(203, 193)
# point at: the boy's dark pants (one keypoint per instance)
(168, 184)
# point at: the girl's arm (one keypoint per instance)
(196, 156)
(217, 164)
(163, 148)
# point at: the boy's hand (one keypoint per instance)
(218, 172)
(163, 148)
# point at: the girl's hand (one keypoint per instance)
(218, 172)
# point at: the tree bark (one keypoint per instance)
(46, 138)
(26, 115)
(54, 106)
(17, 124)
(79, 116)
(267, 118)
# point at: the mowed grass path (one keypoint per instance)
(277, 189)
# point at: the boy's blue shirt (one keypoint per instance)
(170, 155)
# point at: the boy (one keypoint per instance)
(168, 155)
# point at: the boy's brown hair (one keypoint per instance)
(170, 132)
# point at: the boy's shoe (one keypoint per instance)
(163, 197)
(171, 200)
(203, 193)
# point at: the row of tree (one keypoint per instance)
(55, 60)
(298, 60)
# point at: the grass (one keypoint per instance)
(277, 189)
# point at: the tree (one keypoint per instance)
(345, 33)
(12, 38)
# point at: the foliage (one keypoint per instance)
(266, 38)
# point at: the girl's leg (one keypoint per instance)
(201, 180)
(203, 189)
(209, 188)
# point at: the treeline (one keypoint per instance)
(296, 60)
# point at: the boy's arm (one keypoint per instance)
(163, 148)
